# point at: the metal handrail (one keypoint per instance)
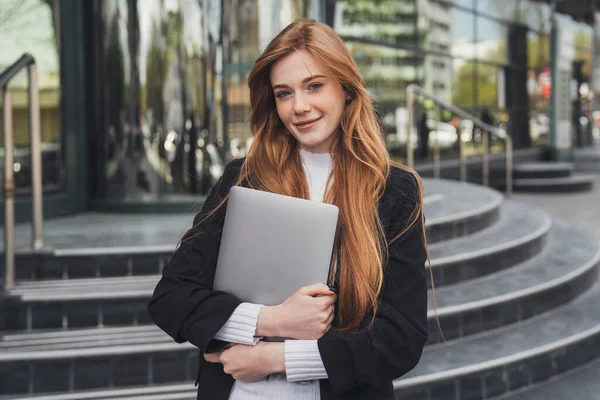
(439, 103)
(26, 61)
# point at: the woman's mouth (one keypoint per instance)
(308, 124)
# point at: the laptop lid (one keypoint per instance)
(273, 244)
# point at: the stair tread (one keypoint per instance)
(573, 179)
(517, 222)
(543, 166)
(560, 259)
(142, 286)
(179, 391)
(582, 383)
(570, 322)
(461, 199)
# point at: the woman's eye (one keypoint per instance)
(282, 94)
(315, 86)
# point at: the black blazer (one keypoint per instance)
(359, 365)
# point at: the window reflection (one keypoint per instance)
(491, 40)
(31, 27)
(463, 93)
(463, 34)
(507, 10)
(174, 101)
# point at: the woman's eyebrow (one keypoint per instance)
(310, 78)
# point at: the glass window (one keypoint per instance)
(31, 27)
(502, 9)
(463, 34)
(466, 3)
(536, 15)
(463, 93)
(538, 50)
(491, 40)
(487, 85)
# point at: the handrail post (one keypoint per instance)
(485, 159)
(410, 159)
(9, 193)
(36, 159)
(509, 166)
(436, 145)
(463, 158)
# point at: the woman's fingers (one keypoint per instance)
(213, 357)
(316, 289)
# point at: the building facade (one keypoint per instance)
(143, 101)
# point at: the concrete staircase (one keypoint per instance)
(550, 177)
(517, 299)
(587, 159)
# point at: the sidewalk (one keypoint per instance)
(581, 208)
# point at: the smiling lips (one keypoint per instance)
(303, 125)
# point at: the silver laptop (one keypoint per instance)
(273, 244)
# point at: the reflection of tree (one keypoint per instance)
(115, 83)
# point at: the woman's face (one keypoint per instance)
(309, 101)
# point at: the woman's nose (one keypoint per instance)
(301, 105)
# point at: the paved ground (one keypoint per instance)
(582, 208)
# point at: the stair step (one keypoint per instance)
(519, 234)
(182, 391)
(581, 383)
(574, 183)
(543, 170)
(107, 245)
(45, 362)
(122, 300)
(463, 209)
(508, 359)
(566, 268)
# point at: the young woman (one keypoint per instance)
(316, 137)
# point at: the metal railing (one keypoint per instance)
(411, 91)
(26, 61)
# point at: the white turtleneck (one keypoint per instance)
(303, 363)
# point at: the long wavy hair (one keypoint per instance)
(361, 165)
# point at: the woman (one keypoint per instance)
(315, 137)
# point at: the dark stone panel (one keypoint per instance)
(542, 368)
(451, 329)
(12, 314)
(519, 375)
(93, 373)
(131, 370)
(146, 264)
(52, 268)
(119, 314)
(81, 315)
(446, 390)
(144, 318)
(470, 387)
(112, 264)
(472, 322)
(169, 367)
(14, 378)
(46, 315)
(495, 383)
(412, 394)
(51, 376)
(80, 266)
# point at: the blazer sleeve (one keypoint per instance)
(393, 344)
(184, 304)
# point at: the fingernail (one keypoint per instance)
(333, 289)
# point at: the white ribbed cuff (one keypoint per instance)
(241, 325)
(303, 361)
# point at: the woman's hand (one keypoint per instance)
(250, 363)
(307, 314)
